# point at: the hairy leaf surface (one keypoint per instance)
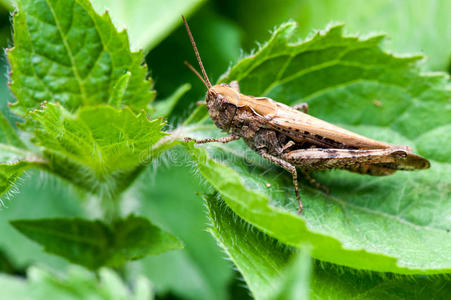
(267, 266)
(64, 52)
(13, 162)
(101, 149)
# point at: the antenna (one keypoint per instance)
(206, 81)
(195, 72)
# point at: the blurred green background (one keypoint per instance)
(168, 194)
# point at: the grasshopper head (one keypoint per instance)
(220, 98)
(222, 105)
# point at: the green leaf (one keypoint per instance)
(393, 224)
(273, 272)
(263, 261)
(10, 172)
(93, 244)
(39, 195)
(13, 162)
(64, 51)
(136, 237)
(100, 149)
(148, 22)
(76, 284)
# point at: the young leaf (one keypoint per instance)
(93, 244)
(265, 263)
(397, 223)
(148, 22)
(64, 51)
(100, 149)
(76, 284)
(260, 259)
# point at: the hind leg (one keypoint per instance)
(290, 168)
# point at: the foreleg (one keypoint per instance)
(224, 139)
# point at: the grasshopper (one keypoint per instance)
(291, 138)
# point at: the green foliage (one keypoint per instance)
(10, 171)
(82, 67)
(332, 282)
(95, 146)
(101, 149)
(38, 195)
(87, 106)
(273, 272)
(14, 161)
(260, 259)
(77, 284)
(94, 244)
(366, 222)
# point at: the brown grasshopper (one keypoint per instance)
(293, 139)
